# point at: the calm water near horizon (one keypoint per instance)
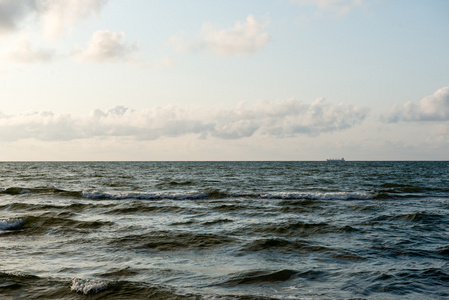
(224, 230)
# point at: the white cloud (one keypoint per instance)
(60, 14)
(341, 7)
(13, 12)
(56, 15)
(291, 117)
(279, 119)
(107, 46)
(431, 108)
(242, 39)
(441, 133)
(22, 51)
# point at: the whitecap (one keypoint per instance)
(10, 224)
(87, 286)
(143, 196)
(318, 196)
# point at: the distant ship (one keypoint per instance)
(336, 159)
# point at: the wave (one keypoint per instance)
(169, 241)
(144, 196)
(443, 251)
(298, 246)
(117, 273)
(194, 195)
(87, 287)
(23, 286)
(419, 217)
(300, 228)
(411, 189)
(217, 222)
(10, 224)
(318, 196)
(72, 208)
(48, 222)
(51, 191)
(142, 209)
(261, 277)
(381, 194)
(408, 284)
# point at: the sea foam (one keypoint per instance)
(318, 196)
(87, 286)
(144, 196)
(194, 195)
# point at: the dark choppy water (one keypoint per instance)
(224, 230)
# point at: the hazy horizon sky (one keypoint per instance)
(224, 80)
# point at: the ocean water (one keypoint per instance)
(224, 230)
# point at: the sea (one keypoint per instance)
(224, 230)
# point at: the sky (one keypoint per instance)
(224, 80)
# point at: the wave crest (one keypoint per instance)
(144, 196)
(318, 196)
(195, 195)
(192, 195)
(10, 224)
(86, 287)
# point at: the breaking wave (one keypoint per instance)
(31, 225)
(190, 195)
(144, 196)
(10, 224)
(87, 287)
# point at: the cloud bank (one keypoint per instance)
(107, 46)
(279, 119)
(13, 12)
(244, 38)
(431, 108)
(56, 15)
(22, 51)
(61, 14)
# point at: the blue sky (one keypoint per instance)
(224, 80)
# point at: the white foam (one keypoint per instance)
(143, 196)
(200, 195)
(318, 196)
(10, 224)
(87, 286)
(216, 297)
